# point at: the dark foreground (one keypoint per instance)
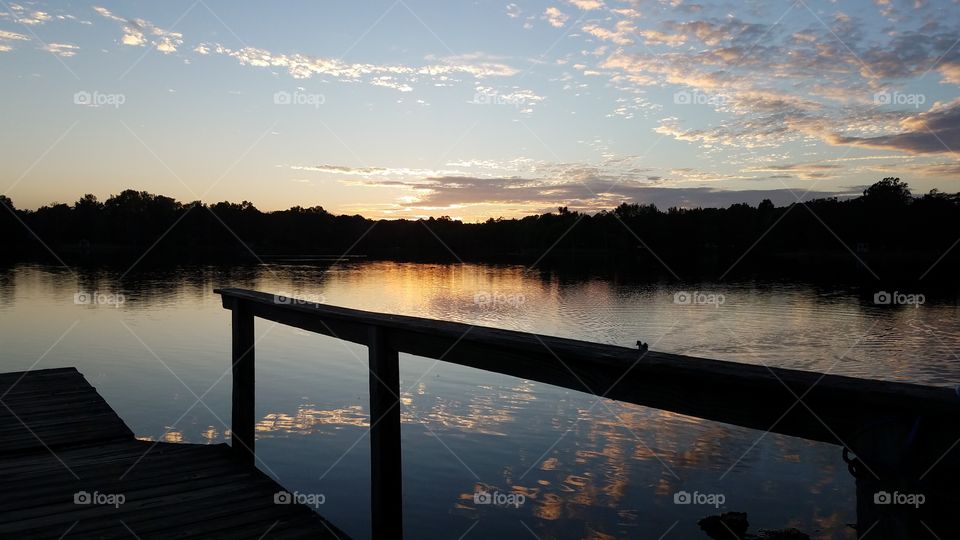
(70, 467)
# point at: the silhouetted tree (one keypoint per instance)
(887, 217)
(887, 193)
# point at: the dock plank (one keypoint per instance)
(59, 437)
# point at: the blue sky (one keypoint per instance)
(476, 109)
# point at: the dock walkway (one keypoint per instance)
(71, 468)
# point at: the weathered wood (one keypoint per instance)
(50, 409)
(170, 490)
(385, 457)
(834, 408)
(243, 420)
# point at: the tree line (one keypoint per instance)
(886, 223)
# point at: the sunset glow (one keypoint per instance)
(475, 110)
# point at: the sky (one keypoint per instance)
(415, 108)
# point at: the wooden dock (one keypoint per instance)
(71, 468)
(896, 437)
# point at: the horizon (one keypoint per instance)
(484, 109)
(780, 198)
(481, 219)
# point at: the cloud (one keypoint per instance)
(480, 188)
(629, 107)
(772, 85)
(443, 70)
(516, 196)
(500, 166)
(477, 64)
(620, 35)
(768, 131)
(938, 170)
(950, 72)
(612, 170)
(659, 37)
(910, 53)
(64, 50)
(373, 172)
(139, 32)
(629, 13)
(936, 131)
(803, 170)
(342, 169)
(22, 15)
(521, 98)
(716, 33)
(36, 17)
(6, 37)
(555, 17)
(388, 81)
(587, 5)
(712, 33)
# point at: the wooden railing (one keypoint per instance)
(844, 411)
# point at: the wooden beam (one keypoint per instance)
(243, 421)
(833, 409)
(385, 456)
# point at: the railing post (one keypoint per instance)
(385, 461)
(242, 422)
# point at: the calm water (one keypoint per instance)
(587, 468)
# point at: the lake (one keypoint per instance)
(156, 345)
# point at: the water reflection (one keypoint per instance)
(595, 480)
(586, 468)
(308, 420)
